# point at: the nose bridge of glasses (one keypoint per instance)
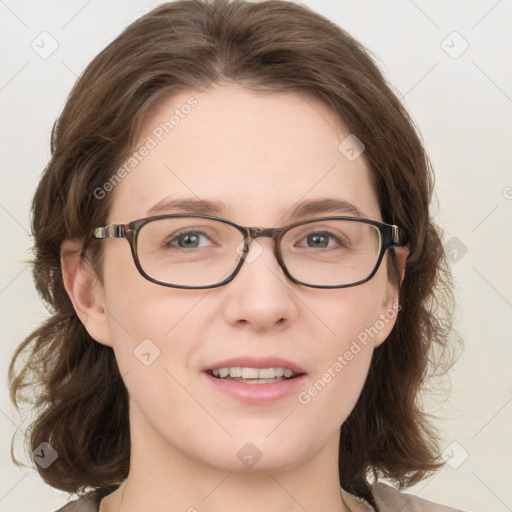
(257, 232)
(265, 232)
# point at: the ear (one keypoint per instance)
(390, 306)
(85, 291)
(402, 253)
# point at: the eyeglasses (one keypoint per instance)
(200, 251)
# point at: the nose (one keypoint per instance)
(261, 295)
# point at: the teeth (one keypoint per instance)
(234, 372)
(253, 373)
(249, 373)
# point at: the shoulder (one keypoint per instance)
(388, 499)
(89, 502)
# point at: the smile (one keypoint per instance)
(253, 375)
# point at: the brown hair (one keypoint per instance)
(74, 383)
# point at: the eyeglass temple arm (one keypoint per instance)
(110, 231)
(395, 235)
(398, 238)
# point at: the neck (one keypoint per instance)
(163, 477)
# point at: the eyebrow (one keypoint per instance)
(218, 208)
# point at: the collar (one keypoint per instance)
(354, 503)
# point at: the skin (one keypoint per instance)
(261, 155)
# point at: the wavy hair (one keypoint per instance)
(73, 383)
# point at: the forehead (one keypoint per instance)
(256, 155)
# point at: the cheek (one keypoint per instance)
(147, 328)
(343, 355)
(152, 327)
(137, 308)
(336, 385)
(154, 339)
(349, 314)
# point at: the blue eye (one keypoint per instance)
(186, 240)
(322, 240)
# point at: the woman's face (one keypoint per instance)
(259, 156)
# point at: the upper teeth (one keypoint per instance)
(253, 373)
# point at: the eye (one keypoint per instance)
(187, 239)
(322, 240)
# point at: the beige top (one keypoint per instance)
(387, 498)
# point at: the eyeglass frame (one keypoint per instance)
(389, 237)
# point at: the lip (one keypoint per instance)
(256, 394)
(256, 362)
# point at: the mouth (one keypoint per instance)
(255, 380)
(248, 375)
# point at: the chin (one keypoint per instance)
(254, 451)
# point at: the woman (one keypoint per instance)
(260, 336)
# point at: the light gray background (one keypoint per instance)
(463, 106)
